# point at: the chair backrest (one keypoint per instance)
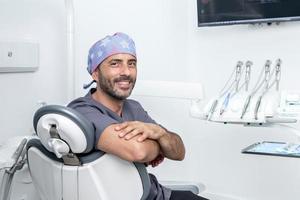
(63, 164)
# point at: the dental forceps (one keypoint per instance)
(238, 74)
(248, 74)
(278, 73)
(247, 80)
(266, 81)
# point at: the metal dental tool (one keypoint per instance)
(238, 75)
(278, 73)
(227, 87)
(266, 81)
(225, 104)
(257, 107)
(247, 80)
(246, 105)
(248, 73)
(212, 109)
(267, 74)
(19, 158)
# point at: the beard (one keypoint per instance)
(108, 86)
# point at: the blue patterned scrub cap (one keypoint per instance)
(108, 46)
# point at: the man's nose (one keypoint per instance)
(125, 70)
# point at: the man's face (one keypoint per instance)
(116, 75)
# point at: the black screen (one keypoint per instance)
(223, 12)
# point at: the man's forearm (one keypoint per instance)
(171, 146)
(147, 151)
(130, 150)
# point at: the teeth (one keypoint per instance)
(124, 81)
(123, 84)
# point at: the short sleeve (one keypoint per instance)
(99, 120)
(138, 113)
(141, 114)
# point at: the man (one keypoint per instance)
(122, 126)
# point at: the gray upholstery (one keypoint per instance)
(145, 179)
(84, 158)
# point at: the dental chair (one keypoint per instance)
(64, 165)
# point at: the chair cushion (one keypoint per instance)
(72, 127)
(84, 158)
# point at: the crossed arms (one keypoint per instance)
(141, 142)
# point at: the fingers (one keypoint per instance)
(157, 161)
(126, 131)
(121, 126)
(132, 133)
(143, 137)
(129, 130)
(124, 128)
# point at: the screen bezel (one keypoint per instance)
(255, 21)
(267, 20)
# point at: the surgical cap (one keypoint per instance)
(108, 46)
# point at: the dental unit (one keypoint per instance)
(261, 105)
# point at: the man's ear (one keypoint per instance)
(95, 75)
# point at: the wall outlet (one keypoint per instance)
(19, 57)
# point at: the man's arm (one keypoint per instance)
(131, 150)
(170, 143)
(172, 146)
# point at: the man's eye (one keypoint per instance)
(113, 64)
(132, 64)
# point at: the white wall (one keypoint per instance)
(160, 38)
(40, 22)
(171, 47)
(213, 52)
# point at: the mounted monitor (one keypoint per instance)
(228, 12)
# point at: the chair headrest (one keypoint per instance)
(73, 129)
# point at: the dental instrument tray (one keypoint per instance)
(274, 149)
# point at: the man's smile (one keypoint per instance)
(124, 84)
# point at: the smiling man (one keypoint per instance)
(122, 127)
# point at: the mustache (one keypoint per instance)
(124, 78)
